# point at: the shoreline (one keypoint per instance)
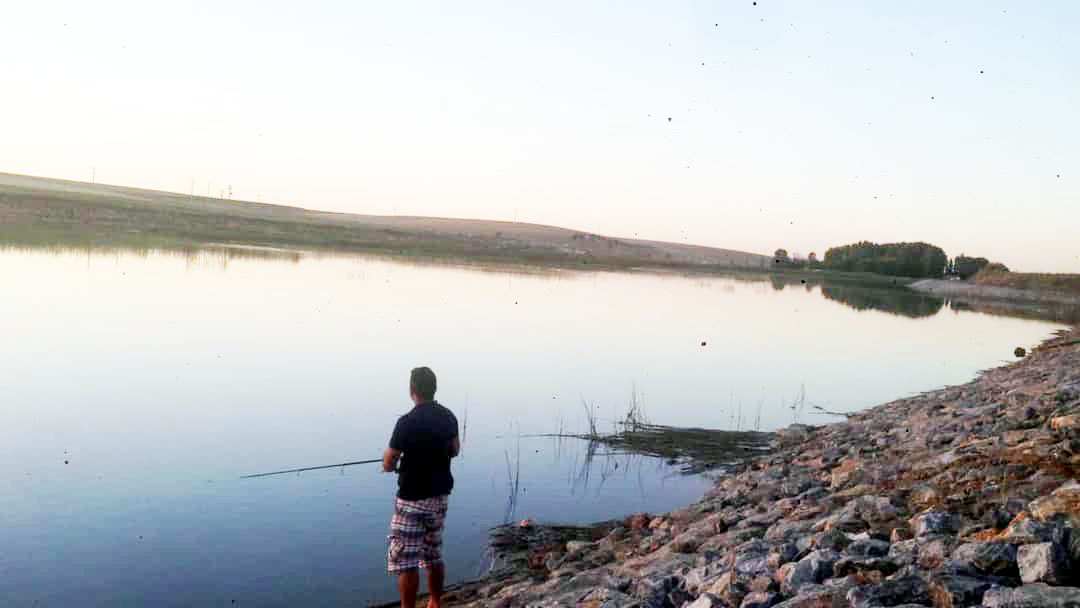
(961, 496)
(964, 289)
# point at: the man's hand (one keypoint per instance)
(390, 460)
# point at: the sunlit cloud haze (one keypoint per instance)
(749, 126)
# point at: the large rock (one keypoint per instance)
(904, 552)
(752, 565)
(996, 558)
(911, 589)
(812, 569)
(781, 554)
(965, 552)
(793, 434)
(759, 599)
(814, 596)
(1024, 530)
(1063, 501)
(1043, 562)
(833, 540)
(687, 542)
(955, 591)
(706, 600)
(730, 588)
(870, 547)
(865, 566)
(786, 530)
(924, 496)
(1038, 595)
(875, 509)
(848, 470)
(1069, 392)
(933, 553)
(932, 523)
(602, 597)
(700, 577)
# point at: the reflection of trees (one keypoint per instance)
(894, 301)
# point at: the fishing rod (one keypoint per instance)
(325, 466)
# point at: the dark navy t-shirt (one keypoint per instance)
(425, 438)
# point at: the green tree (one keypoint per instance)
(966, 267)
(917, 260)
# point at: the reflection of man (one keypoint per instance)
(424, 440)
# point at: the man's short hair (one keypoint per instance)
(422, 382)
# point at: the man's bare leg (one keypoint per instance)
(435, 576)
(407, 584)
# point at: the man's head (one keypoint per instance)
(422, 385)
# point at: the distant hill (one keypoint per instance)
(38, 211)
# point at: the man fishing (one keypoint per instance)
(424, 440)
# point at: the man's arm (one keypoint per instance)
(390, 460)
(455, 447)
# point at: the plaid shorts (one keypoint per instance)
(416, 534)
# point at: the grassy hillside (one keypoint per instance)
(46, 212)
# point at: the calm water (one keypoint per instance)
(160, 379)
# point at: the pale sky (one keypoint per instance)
(792, 124)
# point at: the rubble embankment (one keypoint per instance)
(963, 496)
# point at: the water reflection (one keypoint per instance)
(589, 470)
(894, 301)
(1038, 311)
(854, 293)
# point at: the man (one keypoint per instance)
(424, 440)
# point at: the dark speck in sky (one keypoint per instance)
(669, 119)
(980, 71)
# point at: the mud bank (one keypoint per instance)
(962, 496)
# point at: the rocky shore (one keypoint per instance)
(963, 496)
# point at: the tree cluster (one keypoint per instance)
(916, 260)
(781, 259)
(966, 267)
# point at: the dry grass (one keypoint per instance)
(1060, 283)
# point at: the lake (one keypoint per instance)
(138, 387)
